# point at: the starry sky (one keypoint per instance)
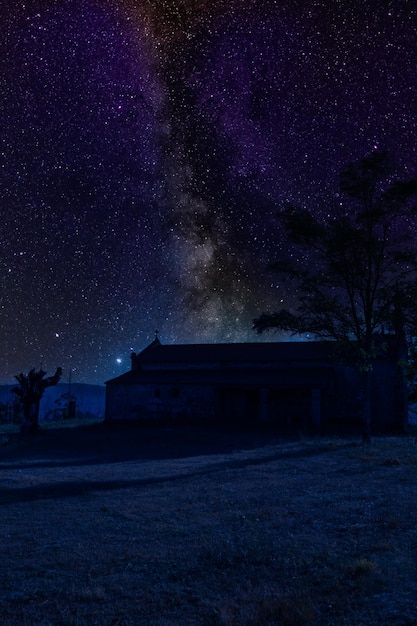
(146, 146)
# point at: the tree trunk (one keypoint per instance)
(25, 427)
(34, 421)
(402, 401)
(30, 417)
(366, 406)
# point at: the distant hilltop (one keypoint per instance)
(89, 400)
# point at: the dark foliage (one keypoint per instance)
(30, 391)
(355, 273)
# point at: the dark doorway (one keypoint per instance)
(240, 407)
(290, 408)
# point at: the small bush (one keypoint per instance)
(361, 567)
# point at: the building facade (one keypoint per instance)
(286, 385)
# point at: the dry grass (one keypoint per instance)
(315, 532)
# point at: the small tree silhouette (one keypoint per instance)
(30, 391)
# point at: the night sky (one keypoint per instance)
(147, 145)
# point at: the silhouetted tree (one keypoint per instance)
(30, 391)
(352, 273)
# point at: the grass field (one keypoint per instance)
(162, 527)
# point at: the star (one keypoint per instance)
(146, 148)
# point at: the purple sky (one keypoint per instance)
(146, 146)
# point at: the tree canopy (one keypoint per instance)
(30, 391)
(353, 272)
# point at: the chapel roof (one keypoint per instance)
(253, 352)
(224, 356)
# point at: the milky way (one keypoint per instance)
(145, 149)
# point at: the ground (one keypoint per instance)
(164, 527)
